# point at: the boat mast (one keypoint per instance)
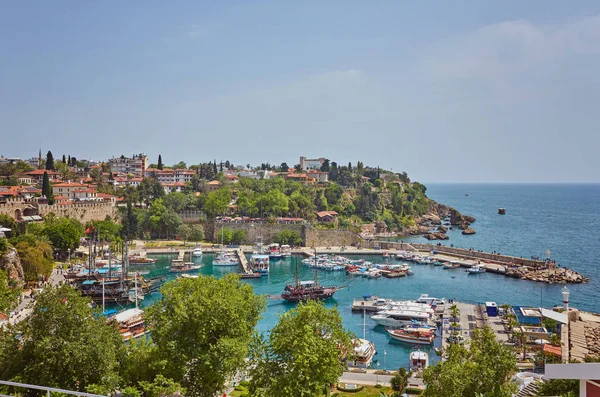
(136, 286)
(103, 303)
(364, 324)
(316, 269)
(296, 276)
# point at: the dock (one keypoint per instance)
(244, 262)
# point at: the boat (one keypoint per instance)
(301, 291)
(225, 258)
(260, 264)
(401, 317)
(415, 335)
(476, 269)
(285, 250)
(501, 211)
(178, 266)
(141, 259)
(430, 300)
(197, 252)
(364, 350)
(131, 323)
(274, 251)
(451, 265)
(418, 359)
(185, 275)
(438, 263)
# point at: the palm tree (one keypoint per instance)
(520, 337)
(555, 340)
(454, 312)
(506, 308)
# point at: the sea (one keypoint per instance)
(558, 220)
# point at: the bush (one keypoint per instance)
(240, 388)
(3, 245)
(413, 390)
(378, 386)
(244, 383)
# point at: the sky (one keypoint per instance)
(461, 91)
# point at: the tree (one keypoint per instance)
(399, 380)
(64, 234)
(64, 159)
(49, 161)
(485, 367)
(196, 233)
(302, 355)
(325, 167)
(239, 236)
(160, 163)
(559, 387)
(35, 255)
(46, 187)
(284, 167)
(63, 344)
(216, 202)
(203, 328)
(289, 237)
(130, 225)
(9, 295)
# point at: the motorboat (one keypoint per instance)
(451, 265)
(178, 267)
(140, 259)
(274, 251)
(197, 252)
(476, 269)
(501, 211)
(457, 339)
(285, 250)
(364, 351)
(225, 258)
(418, 359)
(414, 335)
(260, 264)
(401, 317)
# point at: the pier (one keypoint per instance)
(243, 260)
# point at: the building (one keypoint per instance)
(38, 175)
(135, 165)
(168, 175)
(173, 187)
(327, 216)
(319, 176)
(213, 185)
(588, 375)
(311, 164)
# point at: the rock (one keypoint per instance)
(436, 236)
(442, 229)
(463, 226)
(468, 230)
(11, 264)
(432, 219)
(469, 218)
(456, 217)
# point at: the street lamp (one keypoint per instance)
(377, 374)
(69, 251)
(384, 359)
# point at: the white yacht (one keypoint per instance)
(364, 351)
(197, 252)
(398, 318)
(476, 269)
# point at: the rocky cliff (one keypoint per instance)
(11, 264)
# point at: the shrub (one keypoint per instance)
(244, 383)
(378, 386)
(413, 390)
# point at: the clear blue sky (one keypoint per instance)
(448, 91)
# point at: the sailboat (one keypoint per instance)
(225, 258)
(131, 322)
(301, 291)
(178, 267)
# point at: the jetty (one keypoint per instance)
(247, 271)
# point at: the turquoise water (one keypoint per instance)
(562, 218)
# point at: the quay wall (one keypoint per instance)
(194, 217)
(461, 252)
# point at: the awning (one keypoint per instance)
(560, 317)
(88, 282)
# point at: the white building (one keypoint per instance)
(168, 175)
(135, 165)
(311, 164)
(588, 375)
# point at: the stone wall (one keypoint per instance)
(256, 230)
(14, 204)
(83, 212)
(310, 235)
(192, 216)
(329, 238)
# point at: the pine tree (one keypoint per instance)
(160, 163)
(46, 188)
(49, 161)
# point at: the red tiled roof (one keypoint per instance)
(3, 317)
(326, 213)
(41, 172)
(556, 350)
(104, 195)
(69, 184)
(214, 183)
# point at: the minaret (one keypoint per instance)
(40, 159)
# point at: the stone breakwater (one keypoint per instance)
(559, 275)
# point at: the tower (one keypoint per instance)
(565, 294)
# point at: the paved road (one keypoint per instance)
(365, 378)
(25, 308)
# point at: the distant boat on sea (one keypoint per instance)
(501, 211)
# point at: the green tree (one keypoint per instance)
(284, 167)
(35, 255)
(217, 202)
(239, 236)
(9, 295)
(289, 237)
(559, 387)
(202, 327)
(301, 357)
(130, 225)
(399, 380)
(196, 233)
(62, 344)
(49, 161)
(486, 367)
(46, 187)
(160, 163)
(64, 234)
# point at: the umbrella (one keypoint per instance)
(541, 341)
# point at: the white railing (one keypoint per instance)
(48, 390)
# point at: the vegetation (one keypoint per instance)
(485, 367)
(9, 295)
(301, 356)
(289, 237)
(202, 328)
(399, 380)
